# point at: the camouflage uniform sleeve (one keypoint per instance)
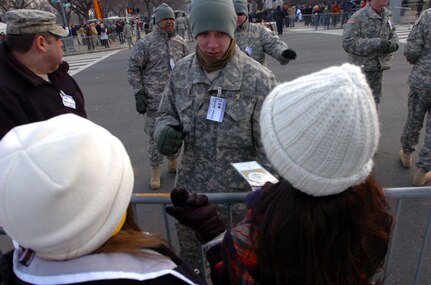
(273, 45)
(167, 114)
(137, 66)
(416, 39)
(263, 88)
(354, 43)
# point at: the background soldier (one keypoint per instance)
(217, 75)
(369, 38)
(181, 25)
(151, 61)
(418, 52)
(256, 40)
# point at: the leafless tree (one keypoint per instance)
(6, 5)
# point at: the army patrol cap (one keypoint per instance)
(241, 7)
(27, 21)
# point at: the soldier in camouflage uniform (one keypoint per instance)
(418, 52)
(369, 38)
(256, 40)
(212, 103)
(151, 61)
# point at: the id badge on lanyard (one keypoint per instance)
(216, 108)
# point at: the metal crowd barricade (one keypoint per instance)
(395, 195)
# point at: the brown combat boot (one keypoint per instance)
(406, 158)
(172, 165)
(421, 177)
(155, 177)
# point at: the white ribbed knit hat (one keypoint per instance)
(320, 131)
(65, 184)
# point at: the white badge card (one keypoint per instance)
(248, 50)
(68, 100)
(216, 109)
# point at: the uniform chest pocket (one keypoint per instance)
(185, 112)
(236, 130)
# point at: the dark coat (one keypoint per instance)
(27, 98)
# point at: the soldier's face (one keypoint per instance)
(213, 44)
(240, 19)
(167, 25)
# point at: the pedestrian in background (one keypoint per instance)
(279, 17)
(256, 40)
(151, 61)
(326, 221)
(35, 85)
(418, 52)
(104, 38)
(212, 104)
(369, 38)
(72, 182)
(128, 34)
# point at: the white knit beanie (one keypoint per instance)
(65, 184)
(320, 131)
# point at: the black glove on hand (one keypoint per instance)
(290, 54)
(197, 213)
(387, 46)
(141, 102)
(168, 140)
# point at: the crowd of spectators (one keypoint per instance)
(326, 14)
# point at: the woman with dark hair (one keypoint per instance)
(326, 222)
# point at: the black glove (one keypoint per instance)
(290, 54)
(141, 102)
(168, 140)
(197, 213)
(387, 46)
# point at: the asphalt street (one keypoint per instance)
(110, 103)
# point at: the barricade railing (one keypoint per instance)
(396, 195)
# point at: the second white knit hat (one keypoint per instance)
(65, 184)
(320, 131)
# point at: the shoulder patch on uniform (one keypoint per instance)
(351, 21)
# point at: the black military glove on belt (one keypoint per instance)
(387, 46)
(141, 102)
(290, 54)
(196, 212)
(168, 140)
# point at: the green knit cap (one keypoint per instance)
(213, 15)
(163, 12)
(241, 6)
